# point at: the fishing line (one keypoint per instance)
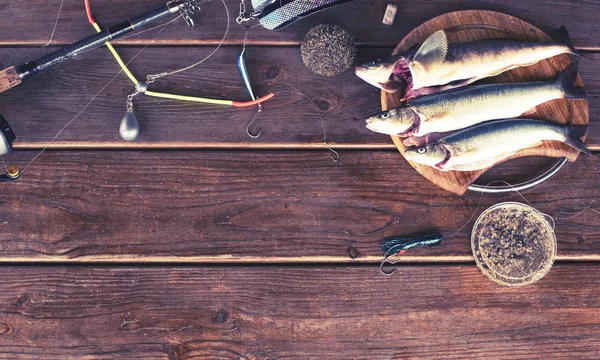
(335, 155)
(392, 251)
(589, 206)
(150, 29)
(248, 31)
(55, 24)
(152, 78)
(91, 100)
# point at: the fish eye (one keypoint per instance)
(371, 63)
(385, 115)
(421, 150)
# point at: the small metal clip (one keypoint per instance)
(242, 16)
(189, 8)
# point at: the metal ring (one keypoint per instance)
(522, 186)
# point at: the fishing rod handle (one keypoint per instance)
(9, 78)
(98, 40)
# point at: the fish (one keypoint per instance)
(483, 145)
(438, 65)
(458, 109)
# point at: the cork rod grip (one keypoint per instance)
(9, 79)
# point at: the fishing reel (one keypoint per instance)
(187, 8)
(7, 136)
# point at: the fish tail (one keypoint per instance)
(566, 81)
(575, 132)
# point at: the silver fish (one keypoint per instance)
(451, 110)
(483, 145)
(438, 65)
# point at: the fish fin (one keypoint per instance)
(450, 86)
(425, 139)
(566, 80)
(433, 51)
(562, 36)
(411, 94)
(574, 138)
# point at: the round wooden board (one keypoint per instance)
(470, 25)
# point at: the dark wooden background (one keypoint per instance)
(199, 242)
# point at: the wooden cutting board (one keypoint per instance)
(470, 25)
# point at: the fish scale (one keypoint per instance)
(483, 145)
(460, 108)
(439, 65)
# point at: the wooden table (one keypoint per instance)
(199, 242)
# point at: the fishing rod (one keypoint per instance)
(272, 14)
(14, 75)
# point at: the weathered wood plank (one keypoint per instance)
(31, 22)
(441, 312)
(221, 207)
(40, 107)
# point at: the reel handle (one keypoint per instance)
(9, 78)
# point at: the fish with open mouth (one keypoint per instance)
(483, 145)
(438, 65)
(451, 110)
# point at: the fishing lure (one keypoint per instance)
(129, 129)
(274, 15)
(397, 245)
(241, 63)
(277, 14)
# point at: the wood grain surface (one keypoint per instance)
(295, 312)
(231, 207)
(207, 244)
(470, 25)
(40, 107)
(31, 22)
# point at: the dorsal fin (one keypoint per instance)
(433, 51)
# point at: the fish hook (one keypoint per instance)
(250, 124)
(386, 260)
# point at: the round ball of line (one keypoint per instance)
(328, 50)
